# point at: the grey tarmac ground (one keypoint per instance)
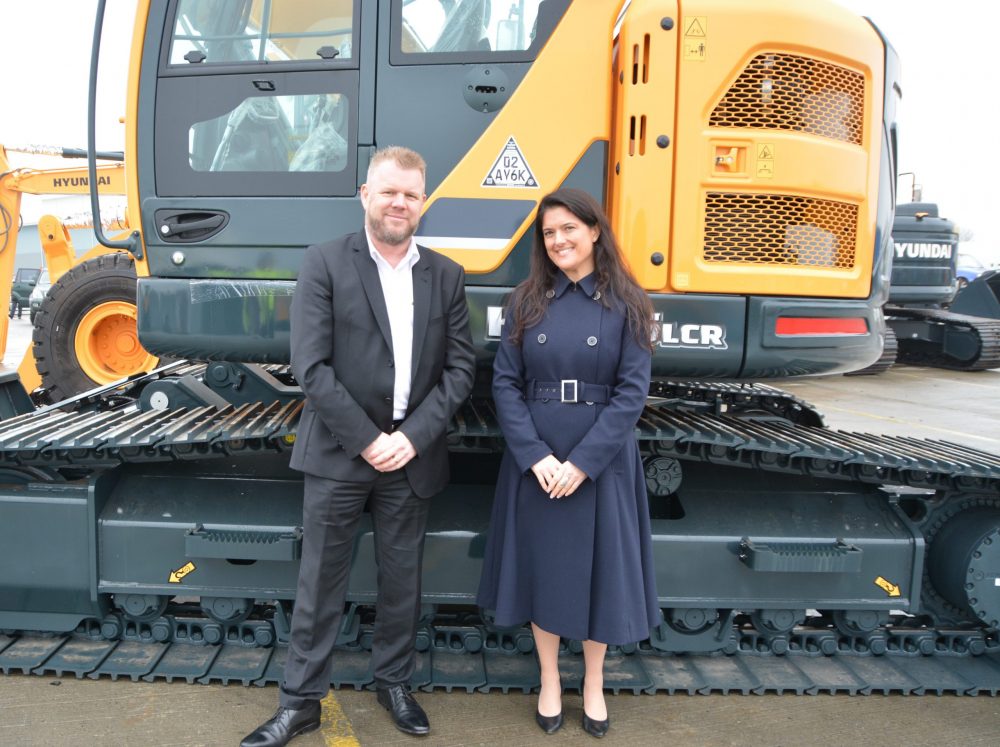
(921, 402)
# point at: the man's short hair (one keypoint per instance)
(404, 157)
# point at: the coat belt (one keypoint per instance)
(568, 390)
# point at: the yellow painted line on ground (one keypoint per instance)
(335, 727)
(986, 381)
(861, 413)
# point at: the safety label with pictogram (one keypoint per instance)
(694, 46)
(176, 576)
(510, 169)
(765, 160)
(888, 587)
(696, 26)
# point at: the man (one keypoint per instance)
(381, 347)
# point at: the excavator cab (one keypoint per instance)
(257, 121)
(254, 123)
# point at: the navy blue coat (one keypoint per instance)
(579, 566)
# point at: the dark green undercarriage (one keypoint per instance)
(789, 557)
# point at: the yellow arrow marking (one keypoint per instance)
(889, 588)
(176, 576)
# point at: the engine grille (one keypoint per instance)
(790, 92)
(779, 229)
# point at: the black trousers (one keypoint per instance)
(331, 512)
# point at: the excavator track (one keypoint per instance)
(476, 659)
(734, 425)
(748, 426)
(962, 342)
(772, 443)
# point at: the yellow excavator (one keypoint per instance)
(745, 153)
(85, 332)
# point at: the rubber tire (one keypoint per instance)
(109, 277)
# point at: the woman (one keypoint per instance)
(569, 545)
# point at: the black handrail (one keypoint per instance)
(133, 244)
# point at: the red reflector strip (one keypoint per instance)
(795, 325)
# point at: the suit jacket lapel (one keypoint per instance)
(368, 273)
(421, 309)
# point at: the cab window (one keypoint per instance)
(265, 87)
(261, 31)
(427, 31)
(274, 133)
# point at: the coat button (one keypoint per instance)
(388, 400)
(596, 296)
(591, 341)
(391, 364)
(541, 339)
(550, 293)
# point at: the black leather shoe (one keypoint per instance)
(407, 714)
(285, 724)
(595, 728)
(549, 724)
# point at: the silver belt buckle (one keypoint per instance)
(562, 390)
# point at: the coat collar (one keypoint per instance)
(588, 284)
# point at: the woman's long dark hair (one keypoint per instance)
(528, 302)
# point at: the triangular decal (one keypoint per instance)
(510, 169)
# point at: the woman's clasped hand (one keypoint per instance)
(558, 479)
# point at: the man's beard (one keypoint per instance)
(387, 235)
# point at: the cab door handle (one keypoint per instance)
(185, 226)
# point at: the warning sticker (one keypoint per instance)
(694, 50)
(765, 160)
(510, 169)
(176, 576)
(696, 26)
(695, 33)
(887, 586)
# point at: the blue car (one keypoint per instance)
(969, 268)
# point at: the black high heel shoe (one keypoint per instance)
(592, 726)
(595, 728)
(549, 724)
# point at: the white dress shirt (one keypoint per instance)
(397, 287)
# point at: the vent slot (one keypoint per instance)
(645, 59)
(779, 229)
(790, 92)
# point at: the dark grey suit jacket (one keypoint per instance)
(342, 358)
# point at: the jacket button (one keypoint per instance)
(388, 400)
(391, 364)
(597, 296)
(591, 341)
(541, 339)
(550, 293)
